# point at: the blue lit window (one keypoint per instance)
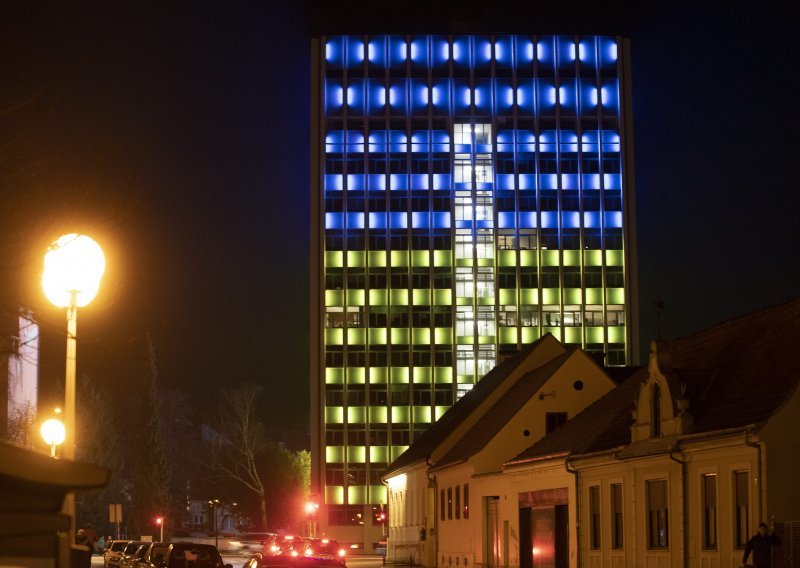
(355, 51)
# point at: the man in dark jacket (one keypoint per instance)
(761, 546)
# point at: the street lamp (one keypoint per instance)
(53, 433)
(73, 267)
(213, 504)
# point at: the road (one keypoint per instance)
(359, 561)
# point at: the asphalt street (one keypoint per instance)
(360, 561)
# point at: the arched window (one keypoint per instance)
(655, 412)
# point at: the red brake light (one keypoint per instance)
(309, 552)
(295, 553)
(342, 552)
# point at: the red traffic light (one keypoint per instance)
(311, 507)
(381, 517)
(159, 521)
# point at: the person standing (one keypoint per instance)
(761, 546)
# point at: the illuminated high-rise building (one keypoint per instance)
(470, 193)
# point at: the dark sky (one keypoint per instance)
(179, 136)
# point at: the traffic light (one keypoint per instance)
(381, 517)
(159, 521)
(311, 507)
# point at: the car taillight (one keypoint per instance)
(342, 552)
(295, 553)
(275, 549)
(309, 552)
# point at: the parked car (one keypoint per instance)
(182, 555)
(130, 548)
(131, 560)
(113, 552)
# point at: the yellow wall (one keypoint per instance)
(782, 448)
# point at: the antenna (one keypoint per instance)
(659, 304)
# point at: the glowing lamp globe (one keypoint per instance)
(53, 432)
(73, 265)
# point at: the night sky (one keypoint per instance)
(178, 136)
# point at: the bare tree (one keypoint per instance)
(240, 442)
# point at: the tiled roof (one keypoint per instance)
(423, 446)
(756, 363)
(735, 374)
(482, 432)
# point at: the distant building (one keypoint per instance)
(470, 194)
(675, 466)
(19, 376)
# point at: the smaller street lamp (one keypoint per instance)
(213, 504)
(53, 433)
(160, 523)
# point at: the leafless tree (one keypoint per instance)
(241, 440)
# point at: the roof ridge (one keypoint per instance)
(733, 319)
(546, 370)
(606, 419)
(453, 417)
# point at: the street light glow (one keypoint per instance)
(53, 432)
(74, 264)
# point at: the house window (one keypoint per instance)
(594, 517)
(458, 502)
(655, 414)
(741, 500)
(449, 503)
(441, 504)
(616, 516)
(709, 489)
(657, 514)
(466, 500)
(554, 421)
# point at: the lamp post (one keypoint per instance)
(213, 504)
(53, 432)
(73, 267)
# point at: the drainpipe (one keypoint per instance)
(758, 449)
(684, 512)
(577, 510)
(384, 527)
(433, 481)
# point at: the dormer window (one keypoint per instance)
(655, 412)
